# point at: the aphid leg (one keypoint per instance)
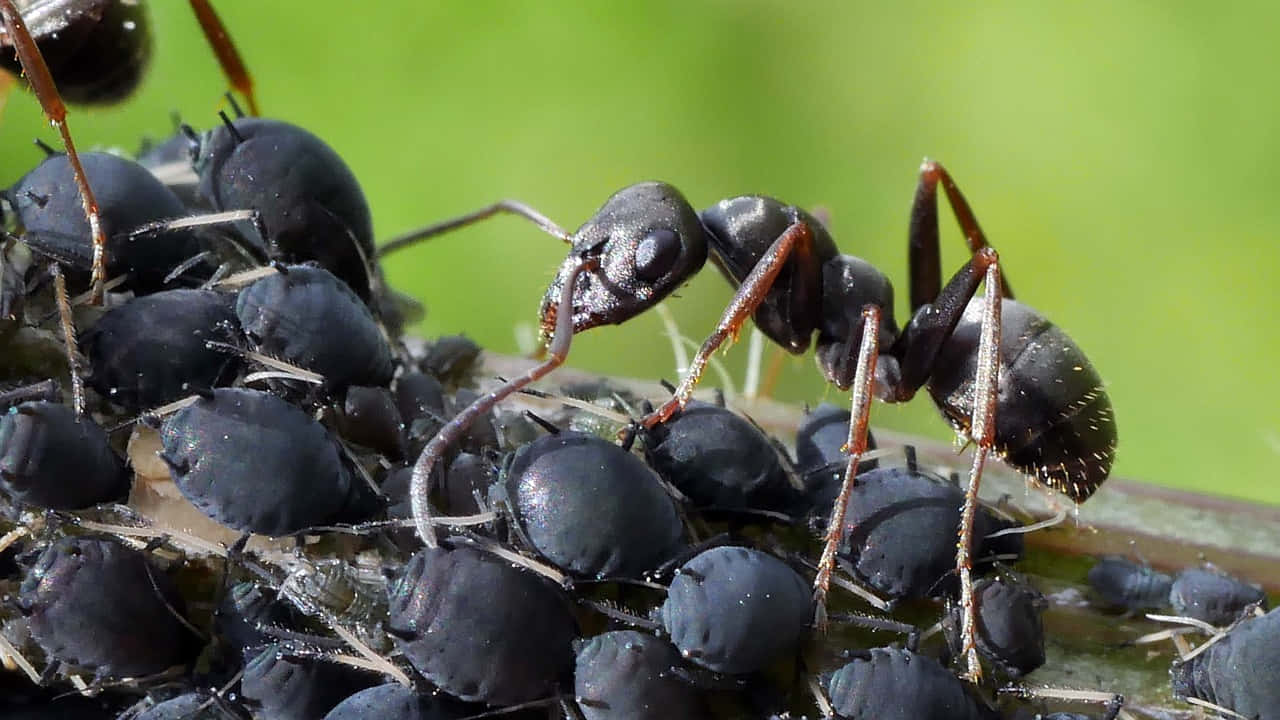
(68, 338)
(228, 57)
(982, 431)
(37, 73)
(420, 483)
(925, 263)
(513, 207)
(46, 390)
(861, 392)
(795, 239)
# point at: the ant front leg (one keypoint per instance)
(797, 238)
(37, 72)
(420, 483)
(868, 352)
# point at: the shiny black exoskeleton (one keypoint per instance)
(49, 458)
(590, 507)
(131, 202)
(306, 316)
(480, 629)
(310, 204)
(893, 684)
(154, 349)
(394, 701)
(1010, 628)
(96, 603)
(1239, 671)
(257, 464)
(288, 686)
(97, 50)
(720, 461)
(632, 675)
(1212, 596)
(1122, 583)
(720, 602)
(901, 536)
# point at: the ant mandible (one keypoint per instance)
(1006, 378)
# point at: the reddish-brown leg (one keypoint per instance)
(982, 433)
(420, 483)
(860, 412)
(796, 238)
(33, 66)
(225, 50)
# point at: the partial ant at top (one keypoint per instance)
(95, 52)
(1006, 378)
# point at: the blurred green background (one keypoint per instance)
(1122, 156)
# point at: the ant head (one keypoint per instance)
(647, 239)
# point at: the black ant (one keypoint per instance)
(98, 50)
(1006, 378)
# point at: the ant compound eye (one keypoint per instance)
(656, 254)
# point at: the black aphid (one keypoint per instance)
(590, 507)
(1010, 627)
(288, 686)
(628, 675)
(308, 317)
(394, 701)
(1122, 583)
(1239, 671)
(153, 349)
(96, 603)
(310, 203)
(1212, 596)
(257, 464)
(736, 610)
(720, 460)
(52, 459)
(901, 537)
(893, 684)
(480, 629)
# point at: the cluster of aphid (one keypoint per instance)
(239, 335)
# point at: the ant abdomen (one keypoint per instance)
(1055, 421)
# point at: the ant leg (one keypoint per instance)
(795, 239)
(420, 483)
(225, 50)
(861, 392)
(68, 338)
(982, 431)
(33, 66)
(924, 254)
(514, 207)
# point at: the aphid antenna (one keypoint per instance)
(497, 549)
(1188, 621)
(755, 355)
(1160, 636)
(13, 536)
(614, 612)
(185, 541)
(186, 265)
(1024, 529)
(1205, 704)
(820, 698)
(246, 277)
(578, 404)
(1044, 692)
(204, 639)
(499, 712)
(291, 371)
(10, 653)
(359, 467)
(844, 582)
